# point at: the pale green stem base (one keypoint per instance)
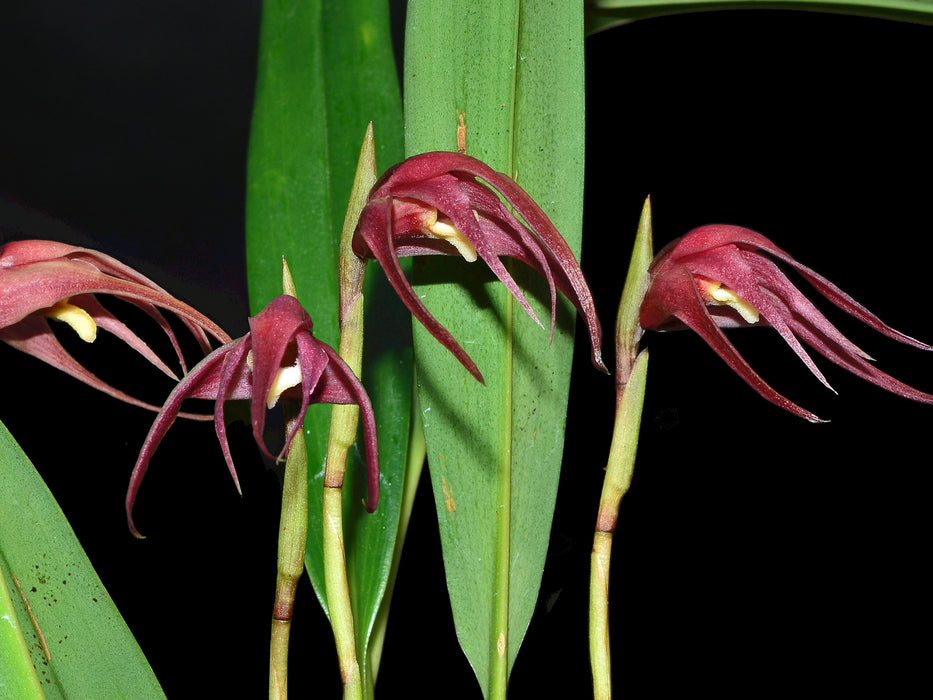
(338, 594)
(599, 616)
(618, 478)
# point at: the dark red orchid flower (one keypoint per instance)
(278, 357)
(40, 280)
(725, 276)
(444, 203)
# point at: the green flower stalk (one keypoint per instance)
(631, 370)
(343, 427)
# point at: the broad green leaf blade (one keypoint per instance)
(601, 14)
(326, 69)
(514, 70)
(93, 653)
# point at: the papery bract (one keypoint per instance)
(47, 279)
(443, 203)
(278, 358)
(720, 276)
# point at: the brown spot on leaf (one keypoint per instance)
(449, 501)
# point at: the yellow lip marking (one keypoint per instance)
(714, 293)
(76, 317)
(451, 234)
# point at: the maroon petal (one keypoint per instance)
(741, 274)
(23, 253)
(466, 191)
(678, 289)
(718, 234)
(234, 361)
(33, 336)
(342, 386)
(313, 361)
(191, 386)
(273, 329)
(110, 323)
(383, 249)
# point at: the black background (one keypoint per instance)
(755, 551)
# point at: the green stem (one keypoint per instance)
(338, 594)
(293, 535)
(631, 370)
(343, 426)
(617, 481)
(344, 421)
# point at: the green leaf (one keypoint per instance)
(92, 652)
(601, 14)
(326, 69)
(514, 70)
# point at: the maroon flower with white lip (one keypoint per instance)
(278, 357)
(722, 276)
(47, 279)
(443, 203)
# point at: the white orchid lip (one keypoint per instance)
(76, 317)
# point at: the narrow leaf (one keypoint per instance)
(514, 71)
(601, 14)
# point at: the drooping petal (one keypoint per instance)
(719, 234)
(273, 330)
(33, 336)
(466, 192)
(26, 252)
(201, 382)
(382, 247)
(313, 361)
(738, 272)
(448, 195)
(744, 262)
(859, 366)
(234, 361)
(33, 285)
(340, 385)
(110, 323)
(684, 302)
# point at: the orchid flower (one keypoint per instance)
(278, 357)
(725, 276)
(41, 280)
(444, 203)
